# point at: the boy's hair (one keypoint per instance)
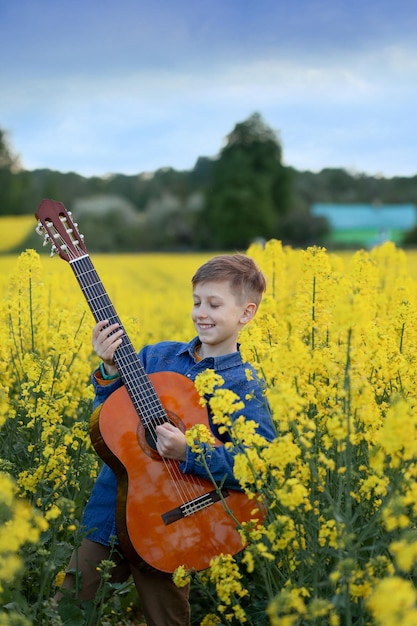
(245, 279)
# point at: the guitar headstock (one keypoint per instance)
(58, 230)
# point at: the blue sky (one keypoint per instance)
(106, 86)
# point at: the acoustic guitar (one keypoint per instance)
(164, 517)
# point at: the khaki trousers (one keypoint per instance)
(163, 603)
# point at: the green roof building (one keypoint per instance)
(366, 224)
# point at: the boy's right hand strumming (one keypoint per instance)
(106, 339)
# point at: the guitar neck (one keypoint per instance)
(126, 359)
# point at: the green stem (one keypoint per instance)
(313, 314)
(32, 325)
(402, 337)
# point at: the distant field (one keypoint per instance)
(15, 230)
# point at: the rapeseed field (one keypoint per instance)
(14, 229)
(335, 340)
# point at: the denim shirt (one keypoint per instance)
(169, 356)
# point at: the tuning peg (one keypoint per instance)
(40, 229)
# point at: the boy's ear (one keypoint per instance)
(249, 312)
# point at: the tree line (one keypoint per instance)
(245, 193)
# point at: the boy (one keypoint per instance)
(227, 291)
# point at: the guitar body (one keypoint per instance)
(149, 487)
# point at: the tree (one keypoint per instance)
(7, 160)
(9, 187)
(249, 191)
(15, 183)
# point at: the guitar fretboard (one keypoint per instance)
(144, 398)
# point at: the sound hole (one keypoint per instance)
(146, 435)
(150, 437)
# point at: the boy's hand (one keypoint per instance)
(105, 343)
(171, 442)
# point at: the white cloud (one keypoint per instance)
(138, 105)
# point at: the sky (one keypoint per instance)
(130, 86)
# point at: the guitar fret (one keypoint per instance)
(96, 283)
(96, 297)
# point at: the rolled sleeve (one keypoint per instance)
(102, 391)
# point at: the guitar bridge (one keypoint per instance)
(193, 506)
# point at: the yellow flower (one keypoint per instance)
(293, 494)
(224, 573)
(224, 403)
(181, 576)
(287, 606)
(207, 381)
(21, 524)
(59, 578)
(248, 560)
(198, 434)
(211, 620)
(393, 601)
(52, 513)
(405, 552)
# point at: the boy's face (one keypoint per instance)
(218, 317)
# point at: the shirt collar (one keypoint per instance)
(218, 362)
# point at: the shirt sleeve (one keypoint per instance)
(212, 464)
(99, 378)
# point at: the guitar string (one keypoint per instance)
(184, 483)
